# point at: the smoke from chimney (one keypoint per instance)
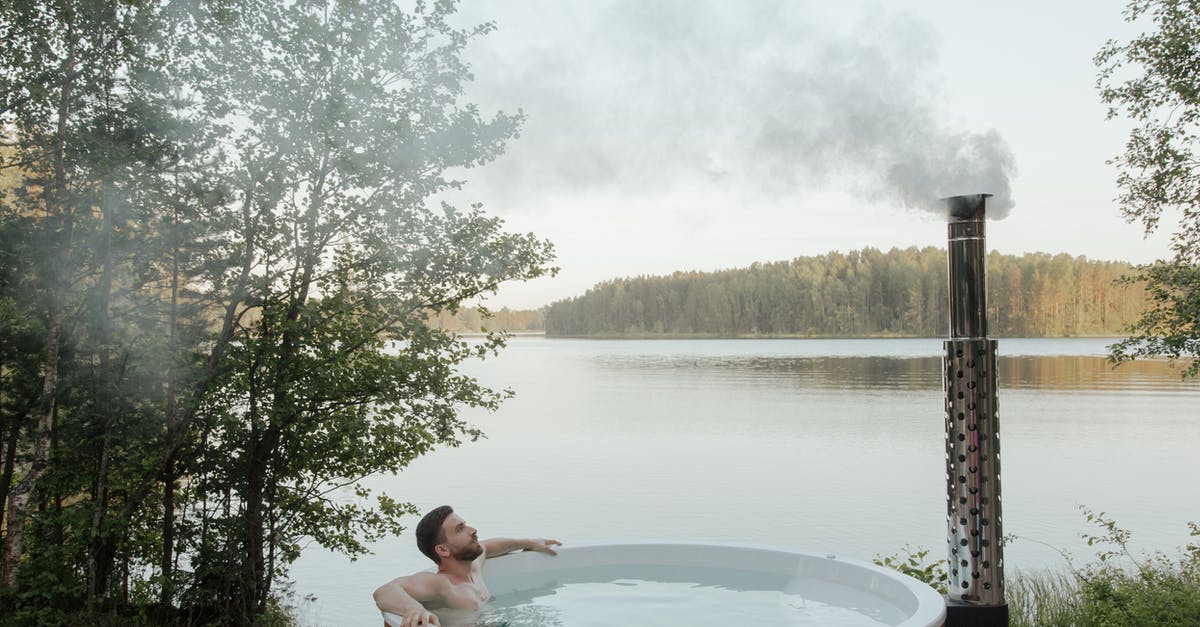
(756, 99)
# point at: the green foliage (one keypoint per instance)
(862, 293)
(1152, 81)
(916, 564)
(1125, 590)
(1118, 589)
(1170, 326)
(221, 250)
(1043, 599)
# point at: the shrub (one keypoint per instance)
(1118, 590)
(916, 564)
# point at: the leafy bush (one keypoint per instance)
(1123, 590)
(916, 564)
(1119, 589)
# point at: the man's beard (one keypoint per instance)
(468, 553)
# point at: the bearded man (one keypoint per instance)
(444, 537)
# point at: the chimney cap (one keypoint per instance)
(967, 206)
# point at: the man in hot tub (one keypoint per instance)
(444, 537)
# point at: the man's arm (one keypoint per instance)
(500, 546)
(405, 595)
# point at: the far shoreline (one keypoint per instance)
(714, 336)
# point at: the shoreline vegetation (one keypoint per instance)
(862, 293)
(708, 336)
(867, 293)
(1117, 589)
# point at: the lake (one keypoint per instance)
(831, 446)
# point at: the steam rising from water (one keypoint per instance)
(754, 97)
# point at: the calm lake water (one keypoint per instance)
(833, 446)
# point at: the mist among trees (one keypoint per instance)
(221, 246)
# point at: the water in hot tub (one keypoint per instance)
(698, 597)
(671, 595)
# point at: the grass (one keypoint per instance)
(1119, 589)
(1043, 598)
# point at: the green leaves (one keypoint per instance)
(1158, 591)
(1153, 80)
(916, 564)
(243, 198)
(1170, 326)
(348, 118)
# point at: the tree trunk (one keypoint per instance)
(18, 506)
(7, 449)
(253, 579)
(99, 557)
(166, 594)
(260, 450)
(10, 453)
(255, 583)
(214, 365)
(18, 503)
(168, 525)
(3, 456)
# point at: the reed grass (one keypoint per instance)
(1047, 598)
(1118, 589)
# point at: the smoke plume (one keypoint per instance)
(767, 97)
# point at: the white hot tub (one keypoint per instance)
(697, 585)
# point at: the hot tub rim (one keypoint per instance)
(929, 610)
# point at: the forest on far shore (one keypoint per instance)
(470, 320)
(864, 293)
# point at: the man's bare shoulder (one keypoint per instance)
(425, 576)
(422, 586)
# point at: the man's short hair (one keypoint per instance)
(430, 532)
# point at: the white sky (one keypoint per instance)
(653, 139)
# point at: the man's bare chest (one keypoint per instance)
(468, 595)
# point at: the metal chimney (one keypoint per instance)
(974, 532)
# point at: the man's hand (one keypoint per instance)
(542, 545)
(419, 618)
(496, 547)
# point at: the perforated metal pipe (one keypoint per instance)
(974, 530)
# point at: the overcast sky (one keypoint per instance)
(669, 135)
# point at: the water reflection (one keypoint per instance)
(1084, 372)
(830, 445)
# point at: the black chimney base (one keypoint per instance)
(960, 614)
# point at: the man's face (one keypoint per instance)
(462, 541)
